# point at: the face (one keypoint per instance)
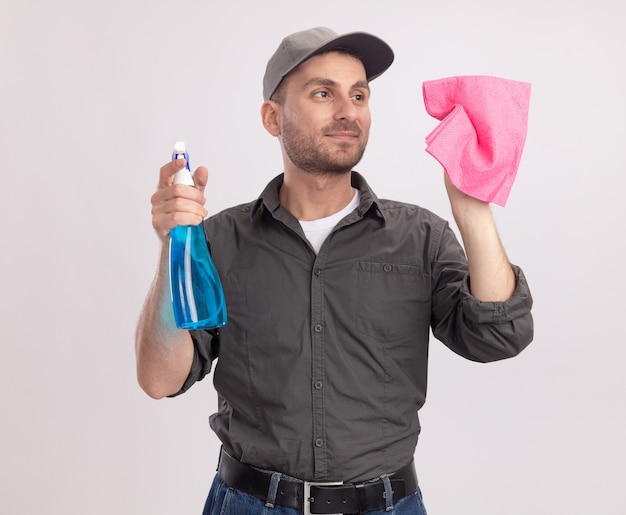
(324, 114)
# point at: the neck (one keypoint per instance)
(310, 197)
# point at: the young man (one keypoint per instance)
(331, 292)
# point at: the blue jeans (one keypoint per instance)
(224, 500)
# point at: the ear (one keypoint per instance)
(270, 115)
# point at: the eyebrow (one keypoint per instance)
(320, 81)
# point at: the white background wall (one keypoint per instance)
(92, 97)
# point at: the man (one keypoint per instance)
(331, 293)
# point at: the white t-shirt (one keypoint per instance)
(318, 230)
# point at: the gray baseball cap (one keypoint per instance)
(296, 48)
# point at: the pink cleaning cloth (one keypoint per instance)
(481, 136)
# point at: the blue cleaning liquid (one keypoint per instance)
(197, 293)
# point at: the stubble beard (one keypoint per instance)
(305, 153)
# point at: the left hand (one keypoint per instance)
(460, 201)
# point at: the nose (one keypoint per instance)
(345, 108)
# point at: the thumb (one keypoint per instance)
(200, 177)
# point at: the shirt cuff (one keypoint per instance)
(489, 312)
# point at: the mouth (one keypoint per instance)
(343, 135)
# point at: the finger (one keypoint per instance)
(164, 223)
(175, 191)
(170, 210)
(176, 211)
(167, 172)
(176, 204)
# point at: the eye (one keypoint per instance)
(321, 94)
(361, 97)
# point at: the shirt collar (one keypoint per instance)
(368, 199)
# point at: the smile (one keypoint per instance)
(343, 136)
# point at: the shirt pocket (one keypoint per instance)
(392, 300)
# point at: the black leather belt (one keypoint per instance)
(347, 498)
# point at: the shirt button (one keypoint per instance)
(318, 328)
(387, 267)
(319, 442)
(318, 385)
(318, 271)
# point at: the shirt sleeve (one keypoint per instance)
(206, 345)
(479, 331)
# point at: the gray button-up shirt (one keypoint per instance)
(322, 366)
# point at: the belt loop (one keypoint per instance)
(388, 493)
(273, 489)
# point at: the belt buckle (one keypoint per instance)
(307, 495)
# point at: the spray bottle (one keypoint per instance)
(197, 294)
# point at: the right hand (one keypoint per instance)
(178, 204)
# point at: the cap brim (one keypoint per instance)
(374, 53)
